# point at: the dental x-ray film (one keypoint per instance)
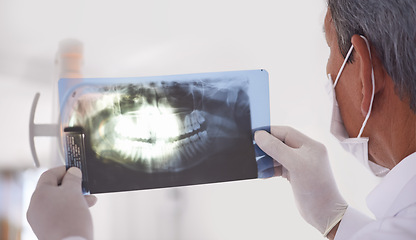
(166, 131)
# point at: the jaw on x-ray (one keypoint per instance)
(163, 127)
(143, 133)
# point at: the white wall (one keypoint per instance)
(145, 38)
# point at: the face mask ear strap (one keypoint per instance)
(373, 89)
(343, 65)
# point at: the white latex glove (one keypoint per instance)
(305, 165)
(58, 209)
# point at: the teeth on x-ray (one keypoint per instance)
(193, 121)
(161, 127)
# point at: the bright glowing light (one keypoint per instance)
(146, 133)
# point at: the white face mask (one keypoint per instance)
(356, 146)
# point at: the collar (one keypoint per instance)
(391, 193)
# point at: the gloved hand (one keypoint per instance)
(58, 209)
(306, 166)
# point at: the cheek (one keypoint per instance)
(334, 63)
(331, 66)
(328, 67)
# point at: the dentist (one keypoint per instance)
(373, 56)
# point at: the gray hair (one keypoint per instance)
(390, 27)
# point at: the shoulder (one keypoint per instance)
(399, 227)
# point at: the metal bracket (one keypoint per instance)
(39, 130)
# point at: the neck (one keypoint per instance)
(395, 137)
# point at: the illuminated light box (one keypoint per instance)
(165, 131)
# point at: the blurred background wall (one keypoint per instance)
(160, 37)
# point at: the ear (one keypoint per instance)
(367, 63)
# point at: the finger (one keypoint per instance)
(274, 148)
(73, 178)
(265, 128)
(278, 170)
(91, 200)
(276, 163)
(258, 151)
(285, 173)
(289, 136)
(52, 177)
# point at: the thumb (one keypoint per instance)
(91, 200)
(274, 148)
(72, 178)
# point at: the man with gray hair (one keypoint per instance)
(373, 59)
